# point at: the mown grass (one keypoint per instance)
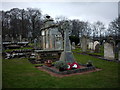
(20, 73)
(22, 48)
(100, 53)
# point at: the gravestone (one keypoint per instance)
(23, 40)
(95, 43)
(20, 38)
(117, 47)
(88, 41)
(39, 42)
(58, 42)
(90, 45)
(108, 51)
(119, 55)
(118, 50)
(103, 42)
(97, 48)
(35, 43)
(73, 45)
(67, 54)
(30, 36)
(7, 38)
(12, 40)
(84, 43)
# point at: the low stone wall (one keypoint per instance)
(70, 71)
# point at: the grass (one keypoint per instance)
(101, 52)
(22, 48)
(20, 73)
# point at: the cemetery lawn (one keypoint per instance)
(20, 73)
(9, 50)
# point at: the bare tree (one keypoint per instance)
(114, 28)
(98, 28)
(34, 16)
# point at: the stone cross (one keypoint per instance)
(67, 55)
(67, 45)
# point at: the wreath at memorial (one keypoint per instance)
(48, 63)
(62, 65)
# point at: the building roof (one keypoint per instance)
(51, 26)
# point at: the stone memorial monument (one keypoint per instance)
(51, 37)
(67, 54)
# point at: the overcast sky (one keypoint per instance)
(88, 11)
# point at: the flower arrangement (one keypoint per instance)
(75, 65)
(61, 65)
(48, 63)
(89, 63)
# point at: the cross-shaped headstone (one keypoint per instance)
(67, 54)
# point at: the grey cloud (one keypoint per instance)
(103, 11)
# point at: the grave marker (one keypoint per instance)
(73, 45)
(108, 51)
(67, 55)
(84, 43)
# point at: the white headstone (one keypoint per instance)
(108, 51)
(90, 45)
(95, 43)
(73, 45)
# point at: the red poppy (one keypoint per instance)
(75, 65)
(69, 66)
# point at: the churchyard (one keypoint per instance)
(51, 61)
(20, 73)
